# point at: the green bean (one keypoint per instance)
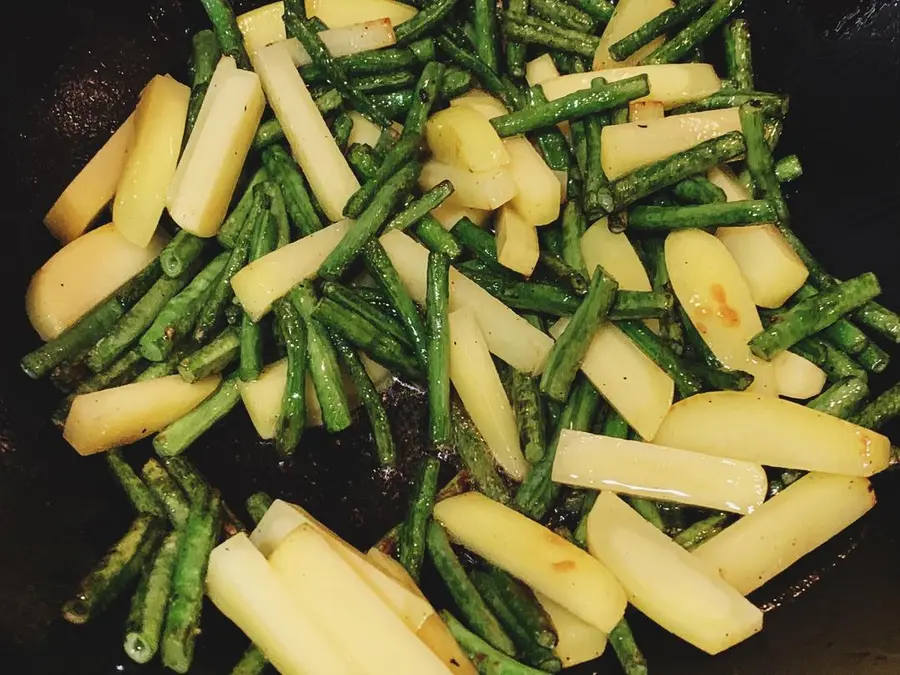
(527, 296)
(731, 214)
(385, 322)
(630, 657)
(686, 382)
(566, 355)
(292, 419)
(738, 56)
(845, 335)
(418, 516)
(268, 133)
(139, 494)
(476, 457)
(507, 92)
(118, 568)
(437, 305)
(205, 57)
(841, 399)
(180, 253)
(880, 411)
(424, 22)
(691, 537)
(662, 24)
(573, 228)
(599, 10)
(563, 14)
(376, 62)
(515, 51)
(234, 223)
(435, 238)
(167, 492)
(178, 436)
(382, 82)
(693, 34)
(698, 190)
(420, 207)
(836, 364)
(771, 104)
(188, 478)
(251, 341)
(227, 32)
(212, 358)
(253, 662)
(550, 141)
(490, 661)
(873, 358)
(595, 179)
(282, 169)
(531, 616)
(533, 31)
(525, 396)
(487, 43)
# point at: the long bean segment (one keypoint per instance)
(530, 30)
(418, 516)
(880, 411)
(228, 34)
(842, 399)
(177, 437)
(680, 45)
(738, 56)
(438, 363)
(292, 419)
(662, 24)
(731, 214)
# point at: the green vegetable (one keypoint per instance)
(257, 505)
(490, 661)
(594, 177)
(421, 207)
(572, 106)
(573, 228)
(873, 358)
(599, 10)
(362, 160)
(654, 218)
(525, 396)
(118, 568)
(693, 34)
(350, 299)
(177, 318)
(325, 370)
(528, 611)
(530, 30)
(188, 478)
(427, 19)
(515, 51)
(435, 238)
(473, 607)
(525, 295)
(167, 492)
(292, 420)
(212, 358)
(144, 625)
(476, 457)
(341, 128)
(418, 516)
(227, 32)
(282, 169)
(809, 316)
(167, 367)
(554, 265)
(845, 335)
(205, 57)
(268, 133)
(772, 105)
(663, 24)
(487, 43)
(691, 537)
(738, 56)
(188, 584)
(437, 305)
(253, 662)
(563, 14)
(141, 497)
(686, 381)
(180, 254)
(376, 62)
(842, 399)
(463, 56)
(234, 223)
(566, 355)
(836, 364)
(698, 190)
(880, 411)
(263, 241)
(550, 141)
(178, 436)
(630, 657)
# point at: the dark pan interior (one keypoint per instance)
(73, 71)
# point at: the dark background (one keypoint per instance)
(72, 72)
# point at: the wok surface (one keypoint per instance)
(73, 71)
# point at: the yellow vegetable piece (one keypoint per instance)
(478, 384)
(797, 377)
(537, 195)
(628, 16)
(773, 432)
(337, 13)
(626, 147)
(793, 523)
(450, 213)
(244, 587)
(92, 189)
(159, 130)
(123, 415)
(667, 583)
(486, 190)
(539, 557)
(482, 102)
(207, 175)
(81, 275)
(540, 70)
(641, 111)
(363, 132)
(712, 290)
(517, 242)
(616, 255)
(464, 138)
(579, 642)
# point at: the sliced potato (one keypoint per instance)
(204, 183)
(616, 255)
(797, 377)
(363, 132)
(772, 269)
(463, 137)
(517, 242)
(628, 16)
(81, 275)
(481, 101)
(539, 557)
(773, 432)
(478, 384)
(337, 13)
(641, 111)
(634, 385)
(246, 589)
(671, 84)
(159, 129)
(330, 177)
(262, 27)
(282, 518)
(710, 287)
(579, 642)
(667, 583)
(450, 213)
(265, 280)
(123, 415)
(626, 147)
(93, 188)
(657, 472)
(487, 190)
(540, 70)
(793, 523)
(508, 336)
(537, 196)
(350, 612)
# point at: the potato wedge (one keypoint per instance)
(709, 285)
(265, 280)
(616, 255)
(480, 100)
(487, 190)
(478, 384)
(123, 415)
(626, 147)
(540, 70)
(159, 130)
(450, 213)
(773, 271)
(537, 195)
(539, 557)
(330, 177)
(671, 84)
(641, 111)
(517, 242)
(508, 336)
(246, 589)
(463, 137)
(204, 183)
(667, 583)
(81, 275)
(773, 432)
(793, 523)
(579, 642)
(337, 13)
(363, 132)
(628, 16)
(93, 188)
(355, 618)
(633, 384)
(797, 377)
